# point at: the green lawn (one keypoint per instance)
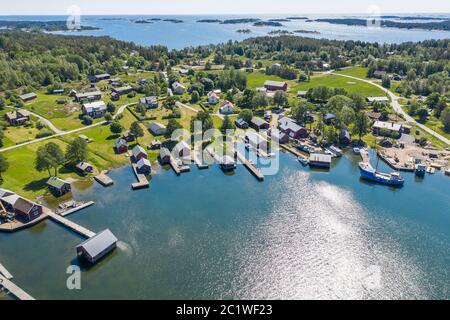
(334, 81)
(359, 72)
(256, 79)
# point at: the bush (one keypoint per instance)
(44, 132)
(87, 120)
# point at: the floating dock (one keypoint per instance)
(5, 272)
(14, 289)
(103, 179)
(175, 166)
(197, 161)
(78, 208)
(71, 225)
(142, 179)
(253, 170)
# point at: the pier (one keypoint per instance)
(75, 209)
(364, 155)
(294, 151)
(5, 272)
(71, 225)
(14, 289)
(142, 179)
(253, 170)
(197, 161)
(103, 179)
(391, 163)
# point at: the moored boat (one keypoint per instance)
(303, 161)
(370, 174)
(420, 170)
(431, 170)
(337, 152)
(356, 150)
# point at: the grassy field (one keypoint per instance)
(256, 79)
(359, 72)
(333, 81)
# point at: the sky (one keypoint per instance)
(106, 7)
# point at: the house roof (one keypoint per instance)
(120, 142)
(318, 157)
(258, 121)
(274, 83)
(56, 182)
(143, 162)
(11, 199)
(83, 165)
(377, 99)
(98, 243)
(254, 138)
(289, 124)
(95, 106)
(147, 100)
(164, 152)
(28, 96)
(23, 205)
(391, 126)
(87, 94)
(181, 145)
(138, 150)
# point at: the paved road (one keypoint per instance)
(398, 108)
(44, 120)
(63, 133)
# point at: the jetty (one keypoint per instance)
(178, 169)
(253, 170)
(76, 208)
(142, 179)
(103, 179)
(294, 151)
(364, 155)
(197, 161)
(14, 289)
(391, 163)
(5, 272)
(71, 225)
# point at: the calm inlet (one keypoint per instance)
(298, 234)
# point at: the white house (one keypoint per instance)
(213, 98)
(226, 107)
(178, 88)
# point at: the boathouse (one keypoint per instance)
(144, 166)
(164, 156)
(121, 145)
(58, 187)
(138, 153)
(182, 149)
(95, 248)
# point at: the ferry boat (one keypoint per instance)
(369, 173)
(356, 150)
(420, 170)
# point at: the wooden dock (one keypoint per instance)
(253, 170)
(73, 210)
(71, 225)
(364, 155)
(175, 166)
(103, 179)
(14, 289)
(294, 151)
(5, 272)
(142, 179)
(197, 161)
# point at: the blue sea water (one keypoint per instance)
(300, 234)
(191, 33)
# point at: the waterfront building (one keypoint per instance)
(144, 166)
(345, 137)
(278, 136)
(164, 156)
(257, 141)
(138, 153)
(291, 128)
(182, 149)
(320, 160)
(95, 248)
(58, 187)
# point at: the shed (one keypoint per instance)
(85, 167)
(157, 128)
(139, 153)
(144, 166)
(121, 145)
(95, 248)
(164, 156)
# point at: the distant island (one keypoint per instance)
(280, 32)
(244, 31)
(267, 24)
(413, 18)
(174, 20)
(280, 20)
(49, 26)
(142, 21)
(297, 18)
(209, 21)
(155, 19)
(242, 20)
(307, 31)
(444, 25)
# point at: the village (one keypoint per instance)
(111, 121)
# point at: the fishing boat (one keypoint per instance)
(370, 174)
(420, 170)
(303, 161)
(356, 150)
